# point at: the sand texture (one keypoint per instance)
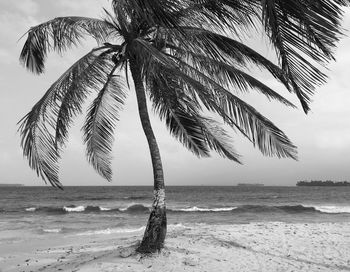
(248, 247)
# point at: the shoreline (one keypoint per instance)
(272, 246)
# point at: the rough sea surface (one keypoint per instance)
(29, 212)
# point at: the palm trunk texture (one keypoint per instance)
(154, 236)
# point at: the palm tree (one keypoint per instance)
(186, 56)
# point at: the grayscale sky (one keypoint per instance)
(322, 136)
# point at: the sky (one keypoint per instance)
(322, 136)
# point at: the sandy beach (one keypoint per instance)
(272, 246)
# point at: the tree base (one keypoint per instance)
(154, 236)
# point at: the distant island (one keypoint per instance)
(322, 183)
(10, 185)
(250, 184)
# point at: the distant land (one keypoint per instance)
(250, 184)
(10, 185)
(323, 183)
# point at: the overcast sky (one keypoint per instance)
(322, 136)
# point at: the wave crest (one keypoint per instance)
(73, 208)
(267, 208)
(52, 230)
(140, 208)
(197, 209)
(333, 209)
(68, 209)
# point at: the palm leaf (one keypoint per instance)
(100, 123)
(176, 104)
(225, 49)
(217, 138)
(184, 127)
(304, 34)
(151, 13)
(228, 75)
(38, 127)
(261, 131)
(58, 35)
(38, 146)
(180, 112)
(76, 84)
(182, 124)
(225, 14)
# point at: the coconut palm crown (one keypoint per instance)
(187, 57)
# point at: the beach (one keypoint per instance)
(209, 229)
(272, 246)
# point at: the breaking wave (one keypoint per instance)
(333, 209)
(140, 208)
(196, 209)
(266, 209)
(68, 209)
(52, 230)
(134, 208)
(73, 208)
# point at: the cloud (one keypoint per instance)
(91, 8)
(13, 26)
(334, 139)
(6, 56)
(26, 6)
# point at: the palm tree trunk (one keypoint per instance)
(154, 236)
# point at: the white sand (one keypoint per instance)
(261, 247)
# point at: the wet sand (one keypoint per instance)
(247, 247)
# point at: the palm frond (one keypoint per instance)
(170, 90)
(38, 146)
(225, 49)
(217, 138)
(89, 73)
(270, 140)
(304, 33)
(182, 123)
(60, 34)
(228, 75)
(234, 111)
(225, 13)
(151, 13)
(181, 113)
(184, 127)
(261, 131)
(100, 123)
(39, 126)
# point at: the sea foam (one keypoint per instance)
(105, 209)
(52, 230)
(197, 209)
(74, 209)
(86, 209)
(111, 231)
(333, 209)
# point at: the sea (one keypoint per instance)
(83, 211)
